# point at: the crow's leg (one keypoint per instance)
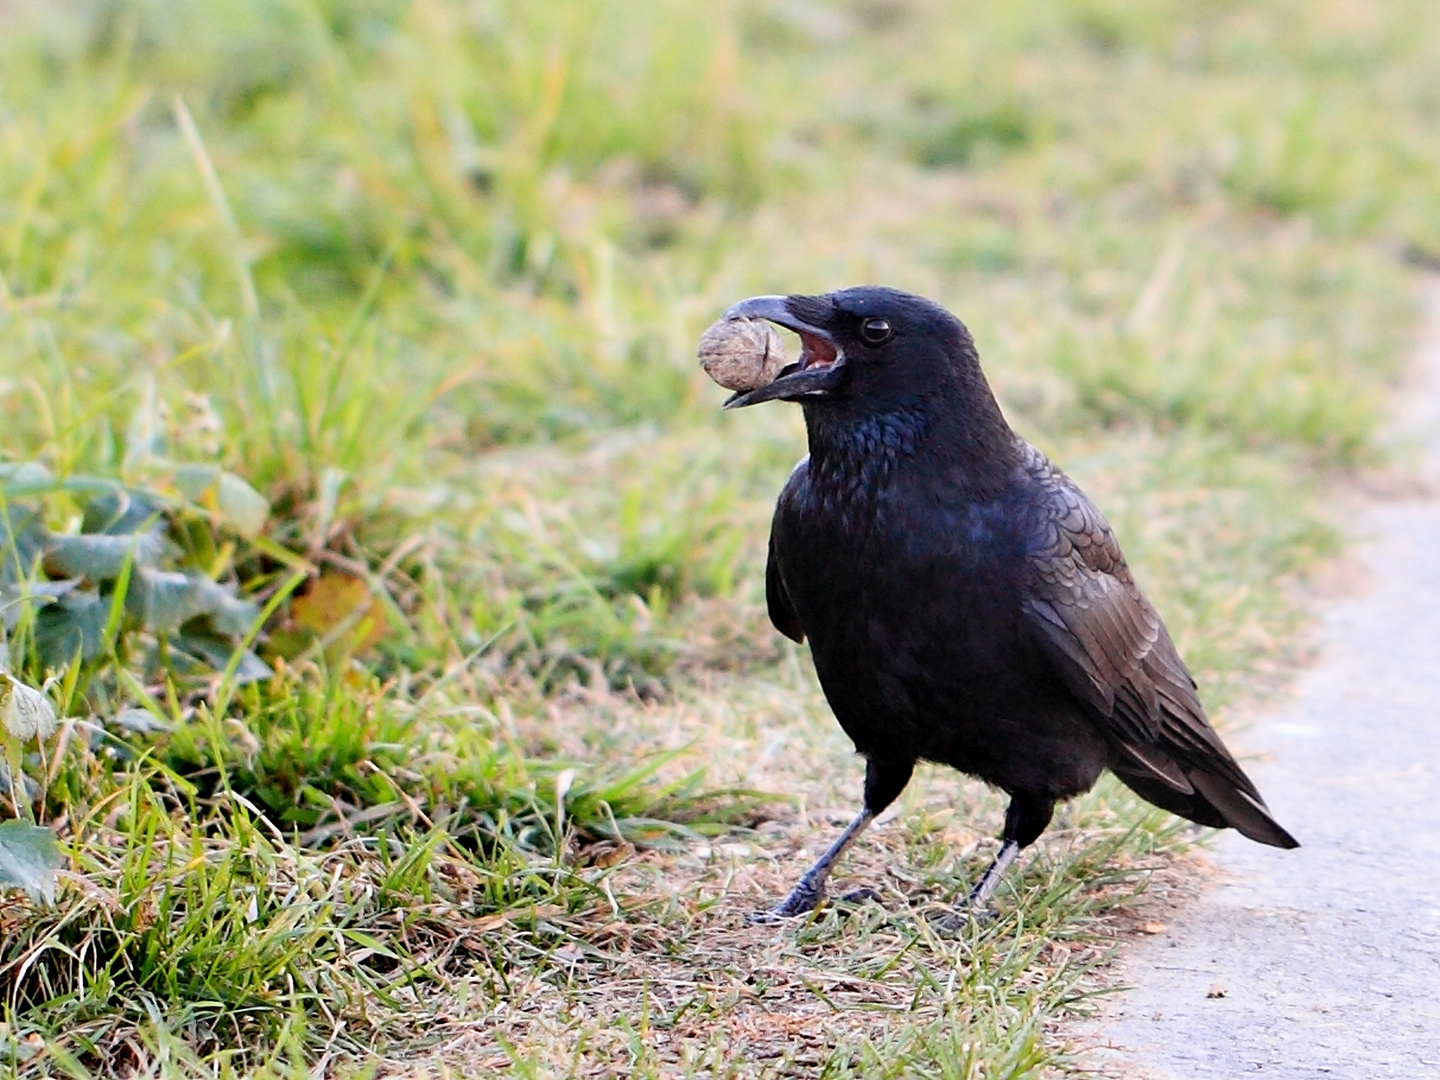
(810, 889)
(994, 874)
(883, 782)
(1024, 821)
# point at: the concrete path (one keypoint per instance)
(1328, 957)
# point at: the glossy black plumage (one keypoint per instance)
(964, 601)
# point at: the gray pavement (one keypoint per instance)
(1325, 961)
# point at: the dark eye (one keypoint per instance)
(875, 331)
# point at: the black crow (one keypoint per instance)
(965, 602)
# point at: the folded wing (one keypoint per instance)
(1114, 655)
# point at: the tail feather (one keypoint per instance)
(1247, 814)
(1190, 805)
(1211, 800)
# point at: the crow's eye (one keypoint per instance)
(875, 331)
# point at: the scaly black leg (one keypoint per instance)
(810, 889)
(1024, 821)
(994, 874)
(883, 782)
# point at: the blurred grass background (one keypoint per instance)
(428, 274)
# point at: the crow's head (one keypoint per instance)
(868, 345)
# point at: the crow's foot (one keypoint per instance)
(957, 920)
(803, 899)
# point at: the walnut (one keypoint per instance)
(742, 354)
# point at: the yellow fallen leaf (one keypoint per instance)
(334, 599)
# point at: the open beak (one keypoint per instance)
(818, 371)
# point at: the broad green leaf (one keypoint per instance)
(23, 538)
(215, 653)
(38, 594)
(195, 481)
(23, 477)
(242, 505)
(239, 503)
(121, 510)
(75, 622)
(230, 615)
(29, 859)
(165, 600)
(99, 556)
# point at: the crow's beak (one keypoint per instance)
(818, 371)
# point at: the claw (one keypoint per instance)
(803, 899)
(777, 914)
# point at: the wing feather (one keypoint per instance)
(1108, 642)
(777, 600)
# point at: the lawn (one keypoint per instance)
(398, 582)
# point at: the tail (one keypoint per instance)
(1217, 801)
(1242, 811)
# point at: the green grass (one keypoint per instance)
(429, 275)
